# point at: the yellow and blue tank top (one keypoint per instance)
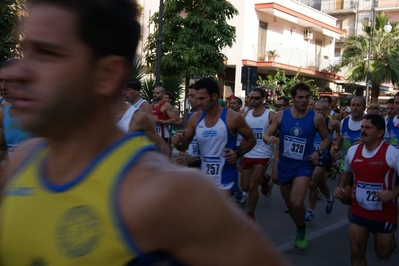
(78, 223)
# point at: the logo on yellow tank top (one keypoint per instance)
(78, 231)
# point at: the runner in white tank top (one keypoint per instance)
(216, 129)
(256, 161)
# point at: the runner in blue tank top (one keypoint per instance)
(297, 129)
(393, 125)
(216, 130)
(350, 136)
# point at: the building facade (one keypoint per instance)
(306, 36)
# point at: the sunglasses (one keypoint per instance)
(279, 105)
(254, 97)
(373, 108)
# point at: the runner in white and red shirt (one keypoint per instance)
(373, 163)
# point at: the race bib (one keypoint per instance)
(193, 149)
(212, 167)
(158, 128)
(258, 133)
(365, 195)
(294, 147)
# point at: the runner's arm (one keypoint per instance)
(322, 129)
(392, 159)
(269, 137)
(173, 120)
(142, 121)
(182, 140)
(146, 108)
(246, 132)
(339, 192)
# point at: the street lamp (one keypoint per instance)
(387, 29)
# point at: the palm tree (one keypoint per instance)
(382, 66)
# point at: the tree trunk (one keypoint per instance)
(375, 92)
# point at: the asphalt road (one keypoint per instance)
(328, 234)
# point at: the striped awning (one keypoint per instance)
(331, 33)
(285, 16)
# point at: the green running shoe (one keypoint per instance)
(301, 240)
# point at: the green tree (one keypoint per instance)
(384, 66)
(9, 19)
(280, 85)
(194, 34)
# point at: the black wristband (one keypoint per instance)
(240, 153)
(320, 153)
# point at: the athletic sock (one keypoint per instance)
(301, 228)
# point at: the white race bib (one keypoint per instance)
(212, 167)
(158, 128)
(294, 147)
(258, 133)
(365, 195)
(193, 149)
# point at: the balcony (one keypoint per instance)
(339, 7)
(387, 4)
(292, 59)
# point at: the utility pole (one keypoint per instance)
(159, 45)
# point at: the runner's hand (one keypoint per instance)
(230, 156)
(314, 157)
(385, 195)
(178, 139)
(339, 193)
(271, 140)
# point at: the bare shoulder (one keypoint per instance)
(335, 124)
(146, 107)
(140, 116)
(167, 106)
(278, 116)
(194, 118)
(271, 115)
(234, 117)
(318, 118)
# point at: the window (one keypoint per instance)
(337, 52)
(262, 33)
(339, 24)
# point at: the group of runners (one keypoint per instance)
(309, 139)
(91, 187)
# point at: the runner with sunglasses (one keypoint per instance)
(256, 161)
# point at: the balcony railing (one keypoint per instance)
(387, 3)
(333, 5)
(293, 56)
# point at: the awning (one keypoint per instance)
(285, 16)
(331, 33)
